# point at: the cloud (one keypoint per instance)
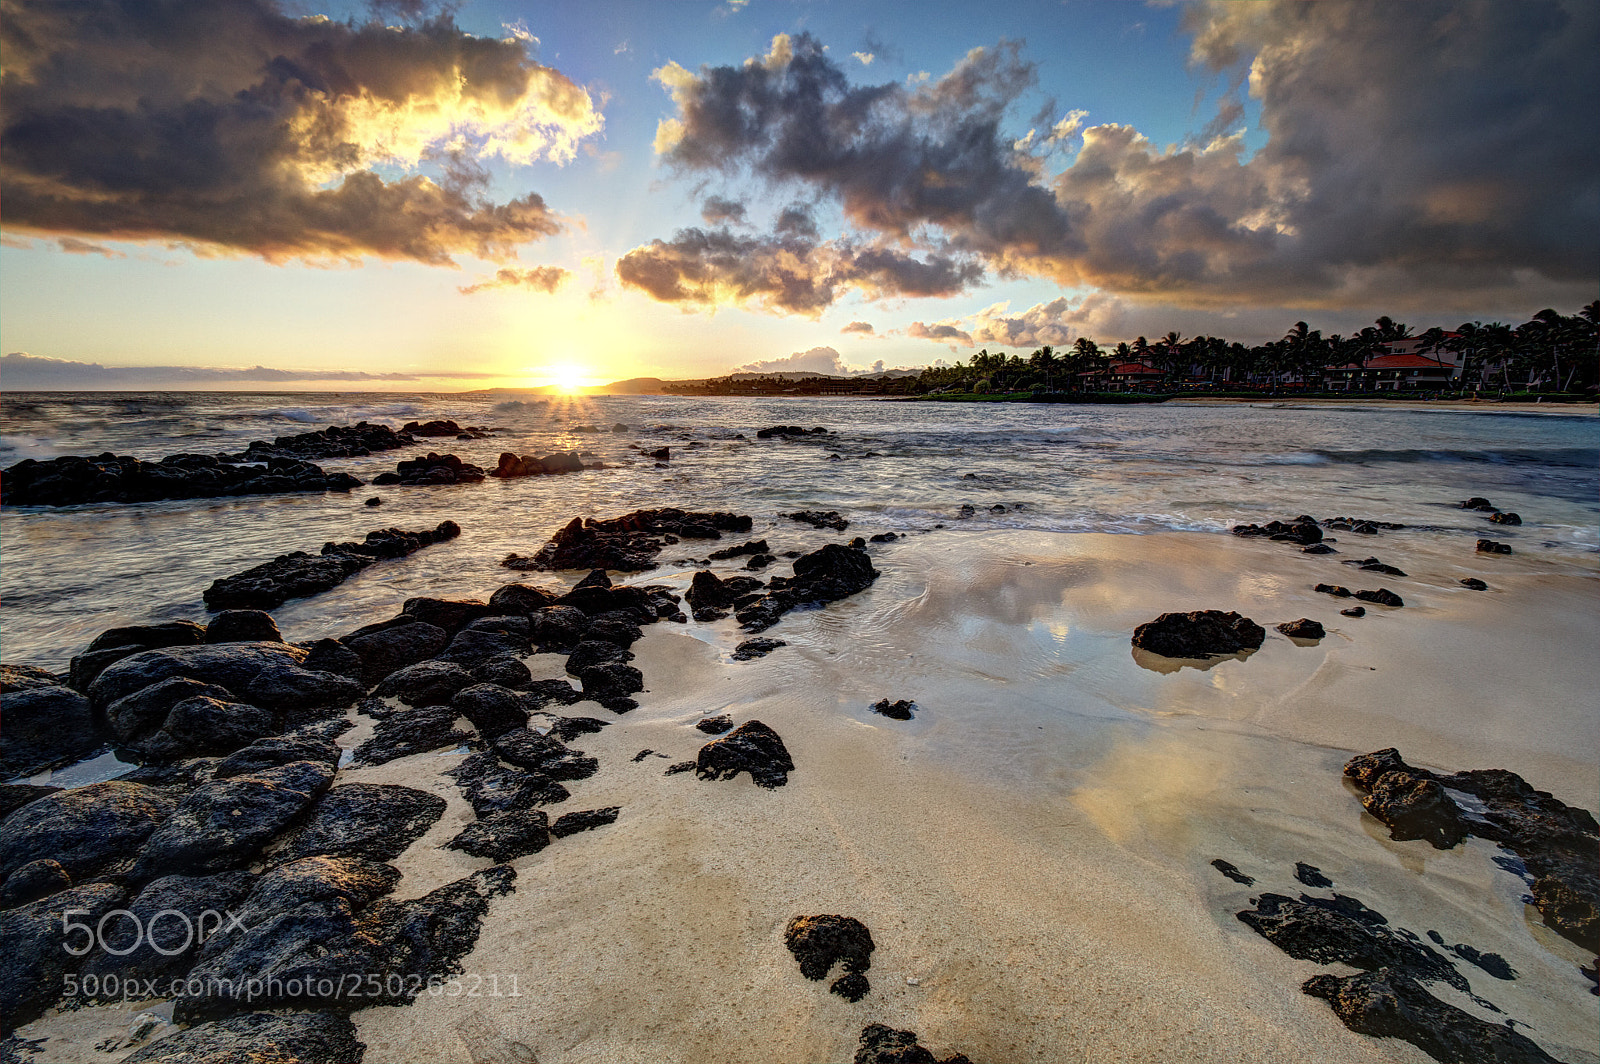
(544, 279)
(717, 210)
(20, 371)
(1417, 154)
(231, 125)
(822, 360)
(866, 58)
(862, 327)
(73, 246)
(946, 332)
(783, 274)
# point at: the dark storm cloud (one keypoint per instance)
(717, 211)
(785, 274)
(229, 123)
(20, 371)
(1433, 153)
(544, 279)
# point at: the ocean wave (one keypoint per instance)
(1564, 457)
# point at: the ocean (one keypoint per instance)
(68, 573)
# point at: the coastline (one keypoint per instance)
(1033, 847)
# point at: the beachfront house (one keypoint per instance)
(1411, 364)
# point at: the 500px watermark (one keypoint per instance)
(349, 986)
(195, 931)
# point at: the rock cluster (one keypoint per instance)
(445, 428)
(72, 479)
(1556, 842)
(628, 543)
(819, 942)
(337, 441)
(819, 519)
(781, 431)
(431, 469)
(527, 465)
(825, 575)
(299, 574)
(885, 1045)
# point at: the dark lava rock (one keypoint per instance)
(427, 683)
(542, 693)
(34, 880)
(73, 479)
(1332, 589)
(431, 469)
(756, 648)
(716, 725)
(44, 727)
(885, 1045)
(521, 599)
(528, 465)
(1489, 546)
(754, 546)
(1198, 634)
(1311, 875)
(412, 731)
(444, 428)
(1304, 628)
(491, 787)
(14, 796)
(900, 710)
(274, 751)
(1383, 597)
(819, 519)
(337, 441)
(1474, 583)
(171, 918)
(1373, 565)
(299, 574)
(781, 431)
(330, 655)
(1354, 611)
(1416, 807)
(628, 543)
(752, 747)
(492, 710)
(449, 615)
(26, 678)
(826, 575)
(1477, 502)
(1388, 1003)
(1556, 842)
(679, 766)
(371, 820)
(386, 649)
(35, 958)
(489, 637)
(817, 942)
(243, 626)
(852, 987)
(1345, 931)
(1302, 530)
(1363, 525)
(558, 627)
(1318, 548)
(505, 836)
(118, 643)
(706, 592)
(545, 755)
(1229, 869)
(611, 683)
(585, 820)
(1506, 519)
(260, 1038)
(503, 670)
(268, 675)
(86, 829)
(1492, 963)
(221, 825)
(593, 652)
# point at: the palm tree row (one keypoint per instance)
(1549, 352)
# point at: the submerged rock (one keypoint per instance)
(752, 747)
(900, 710)
(1345, 931)
(628, 543)
(73, 479)
(1199, 634)
(1304, 628)
(298, 575)
(1383, 597)
(819, 519)
(826, 575)
(1388, 1003)
(1302, 530)
(1489, 546)
(1474, 583)
(756, 648)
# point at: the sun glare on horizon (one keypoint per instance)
(565, 377)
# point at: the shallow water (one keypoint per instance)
(66, 574)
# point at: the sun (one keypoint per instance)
(568, 378)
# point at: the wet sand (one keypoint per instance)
(1032, 852)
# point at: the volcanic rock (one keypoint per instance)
(752, 747)
(369, 820)
(1304, 628)
(1199, 634)
(73, 479)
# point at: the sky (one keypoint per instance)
(296, 194)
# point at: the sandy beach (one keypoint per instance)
(1031, 852)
